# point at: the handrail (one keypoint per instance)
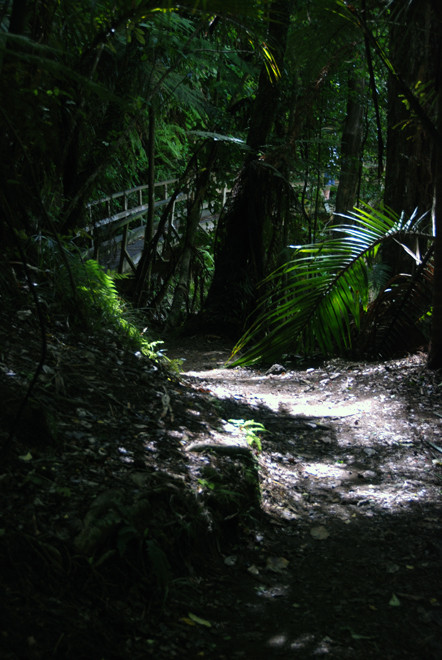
(129, 191)
(103, 228)
(133, 212)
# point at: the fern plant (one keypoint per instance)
(321, 301)
(97, 303)
(250, 428)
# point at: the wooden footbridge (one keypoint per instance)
(117, 223)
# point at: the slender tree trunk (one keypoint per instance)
(375, 98)
(144, 270)
(150, 248)
(188, 243)
(151, 176)
(11, 149)
(351, 147)
(18, 16)
(435, 351)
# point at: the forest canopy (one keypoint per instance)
(191, 185)
(307, 115)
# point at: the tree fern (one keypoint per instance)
(316, 302)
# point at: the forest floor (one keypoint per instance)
(137, 521)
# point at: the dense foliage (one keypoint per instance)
(297, 108)
(336, 294)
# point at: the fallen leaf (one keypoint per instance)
(230, 560)
(410, 596)
(199, 621)
(187, 621)
(319, 533)
(24, 314)
(394, 601)
(357, 636)
(254, 570)
(277, 564)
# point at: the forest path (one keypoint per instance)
(124, 534)
(345, 560)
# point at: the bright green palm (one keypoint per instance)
(315, 302)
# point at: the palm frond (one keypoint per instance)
(315, 302)
(400, 315)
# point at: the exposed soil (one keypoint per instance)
(126, 534)
(345, 561)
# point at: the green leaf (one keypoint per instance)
(199, 621)
(316, 301)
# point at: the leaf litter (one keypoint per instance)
(117, 542)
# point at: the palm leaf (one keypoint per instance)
(315, 302)
(400, 315)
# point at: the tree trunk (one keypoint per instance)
(435, 351)
(351, 145)
(408, 176)
(240, 253)
(188, 242)
(18, 17)
(13, 164)
(144, 270)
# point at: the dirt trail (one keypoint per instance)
(345, 561)
(124, 534)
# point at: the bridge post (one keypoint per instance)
(124, 237)
(96, 243)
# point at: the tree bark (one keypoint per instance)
(435, 350)
(240, 253)
(351, 144)
(408, 176)
(188, 242)
(411, 131)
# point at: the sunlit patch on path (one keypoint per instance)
(351, 494)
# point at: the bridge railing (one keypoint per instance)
(119, 220)
(129, 200)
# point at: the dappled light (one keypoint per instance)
(220, 330)
(350, 490)
(288, 510)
